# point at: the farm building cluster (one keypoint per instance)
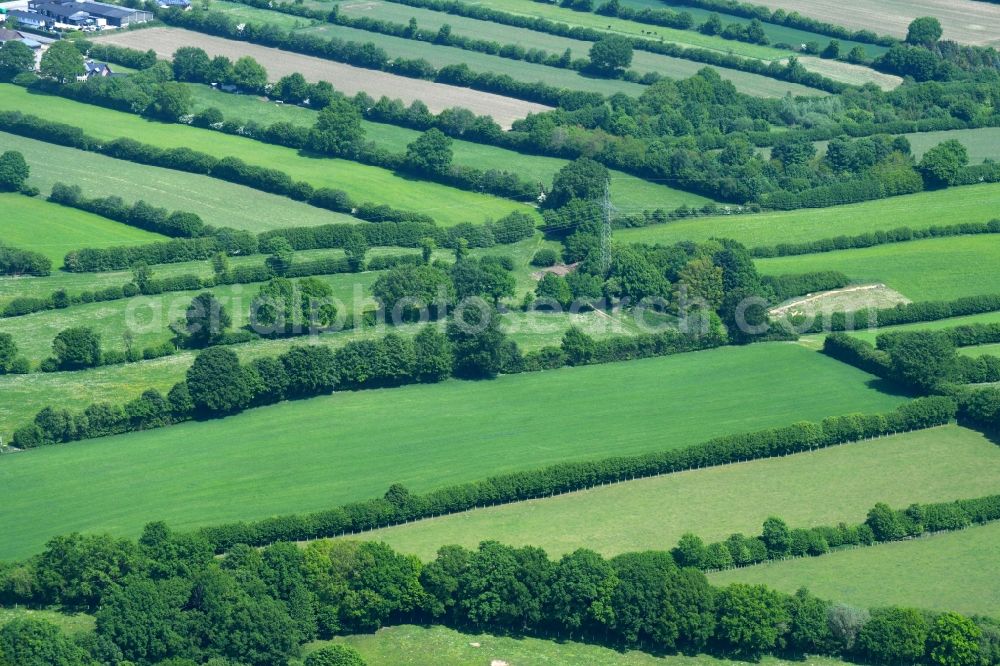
(65, 15)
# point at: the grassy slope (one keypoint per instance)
(447, 205)
(308, 455)
(627, 192)
(642, 61)
(982, 143)
(923, 270)
(949, 571)
(974, 203)
(928, 466)
(980, 350)
(35, 224)
(410, 645)
(218, 203)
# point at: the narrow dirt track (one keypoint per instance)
(345, 78)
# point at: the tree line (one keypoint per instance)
(901, 313)
(165, 597)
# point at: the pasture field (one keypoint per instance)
(933, 465)
(149, 317)
(972, 203)
(982, 143)
(308, 455)
(610, 24)
(980, 350)
(855, 75)
(776, 33)
(345, 78)
(447, 205)
(70, 623)
(948, 571)
(439, 55)
(412, 645)
(35, 224)
(966, 21)
(923, 270)
(628, 192)
(816, 341)
(219, 203)
(642, 61)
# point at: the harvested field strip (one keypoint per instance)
(219, 203)
(933, 465)
(345, 78)
(965, 21)
(440, 56)
(35, 224)
(972, 203)
(642, 61)
(855, 75)
(312, 454)
(447, 205)
(953, 571)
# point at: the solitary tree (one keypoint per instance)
(941, 164)
(249, 75)
(924, 31)
(217, 383)
(338, 129)
(62, 62)
(611, 55)
(77, 347)
(205, 321)
(192, 64)
(355, 247)
(292, 88)
(15, 57)
(430, 153)
(582, 179)
(171, 101)
(14, 171)
(335, 655)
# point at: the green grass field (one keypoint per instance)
(776, 33)
(948, 571)
(928, 466)
(980, 350)
(923, 270)
(981, 143)
(218, 203)
(35, 224)
(642, 61)
(870, 335)
(627, 192)
(308, 455)
(72, 624)
(973, 203)
(686, 38)
(411, 645)
(364, 183)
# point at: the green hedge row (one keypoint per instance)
(567, 477)
(800, 284)
(903, 313)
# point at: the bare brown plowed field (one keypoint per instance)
(966, 21)
(345, 78)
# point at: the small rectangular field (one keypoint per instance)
(922, 270)
(35, 224)
(312, 454)
(966, 21)
(411, 645)
(345, 78)
(217, 202)
(822, 487)
(953, 571)
(972, 203)
(447, 205)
